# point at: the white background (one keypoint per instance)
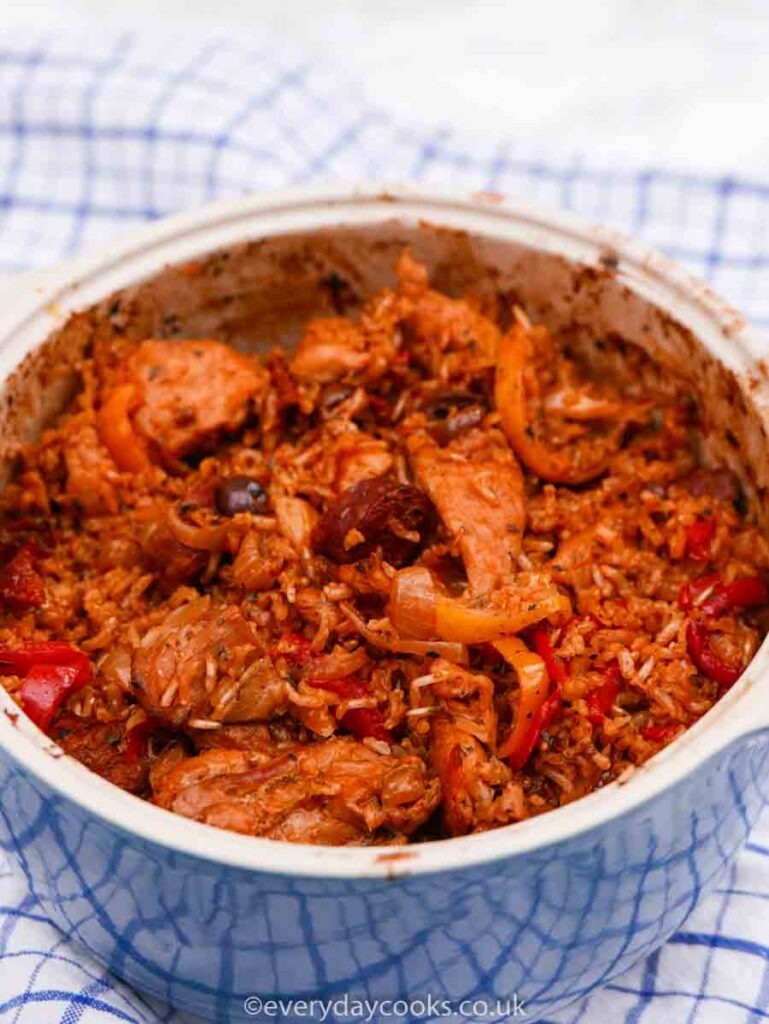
(682, 82)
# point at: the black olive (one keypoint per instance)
(439, 406)
(241, 494)
(379, 511)
(334, 394)
(452, 412)
(460, 420)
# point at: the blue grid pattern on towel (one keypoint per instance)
(99, 135)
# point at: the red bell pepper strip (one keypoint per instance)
(699, 539)
(294, 647)
(137, 738)
(17, 661)
(548, 712)
(707, 660)
(363, 723)
(690, 594)
(21, 585)
(744, 592)
(660, 733)
(536, 707)
(601, 700)
(552, 710)
(51, 671)
(44, 688)
(544, 648)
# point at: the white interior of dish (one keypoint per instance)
(279, 250)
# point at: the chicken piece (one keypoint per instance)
(267, 740)
(260, 560)
(101, 746)
(477, 487)
(360, 457)
(334, 792)
(478, 791)
(572, 564)
(449, 336)
(329, 350)
(90, 470)
(192, 392)
(205, 662)
(460, 694)
(334, 348)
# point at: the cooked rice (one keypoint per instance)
(245, 641)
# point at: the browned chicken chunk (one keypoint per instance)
(336, 792)
(477, 487)
(329, 350)
(103, 747)
(205, 663)
(449, 336)
(90, 470)
(193, 392)
(478, 791)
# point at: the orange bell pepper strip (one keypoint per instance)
(573, 465)
(117, 432)
(469, 624)
(533, 700)
(420, 607)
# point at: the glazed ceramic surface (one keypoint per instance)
(213, 922)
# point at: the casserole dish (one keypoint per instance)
(543, 910)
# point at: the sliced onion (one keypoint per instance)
(456, 653)
(199, 538)
(296, 520)
(387, 641)
(116, 667)
(413, 600)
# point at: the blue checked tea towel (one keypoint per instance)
(99, 136)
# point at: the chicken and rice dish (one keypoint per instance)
(434, 571)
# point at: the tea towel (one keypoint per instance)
(98, 135)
